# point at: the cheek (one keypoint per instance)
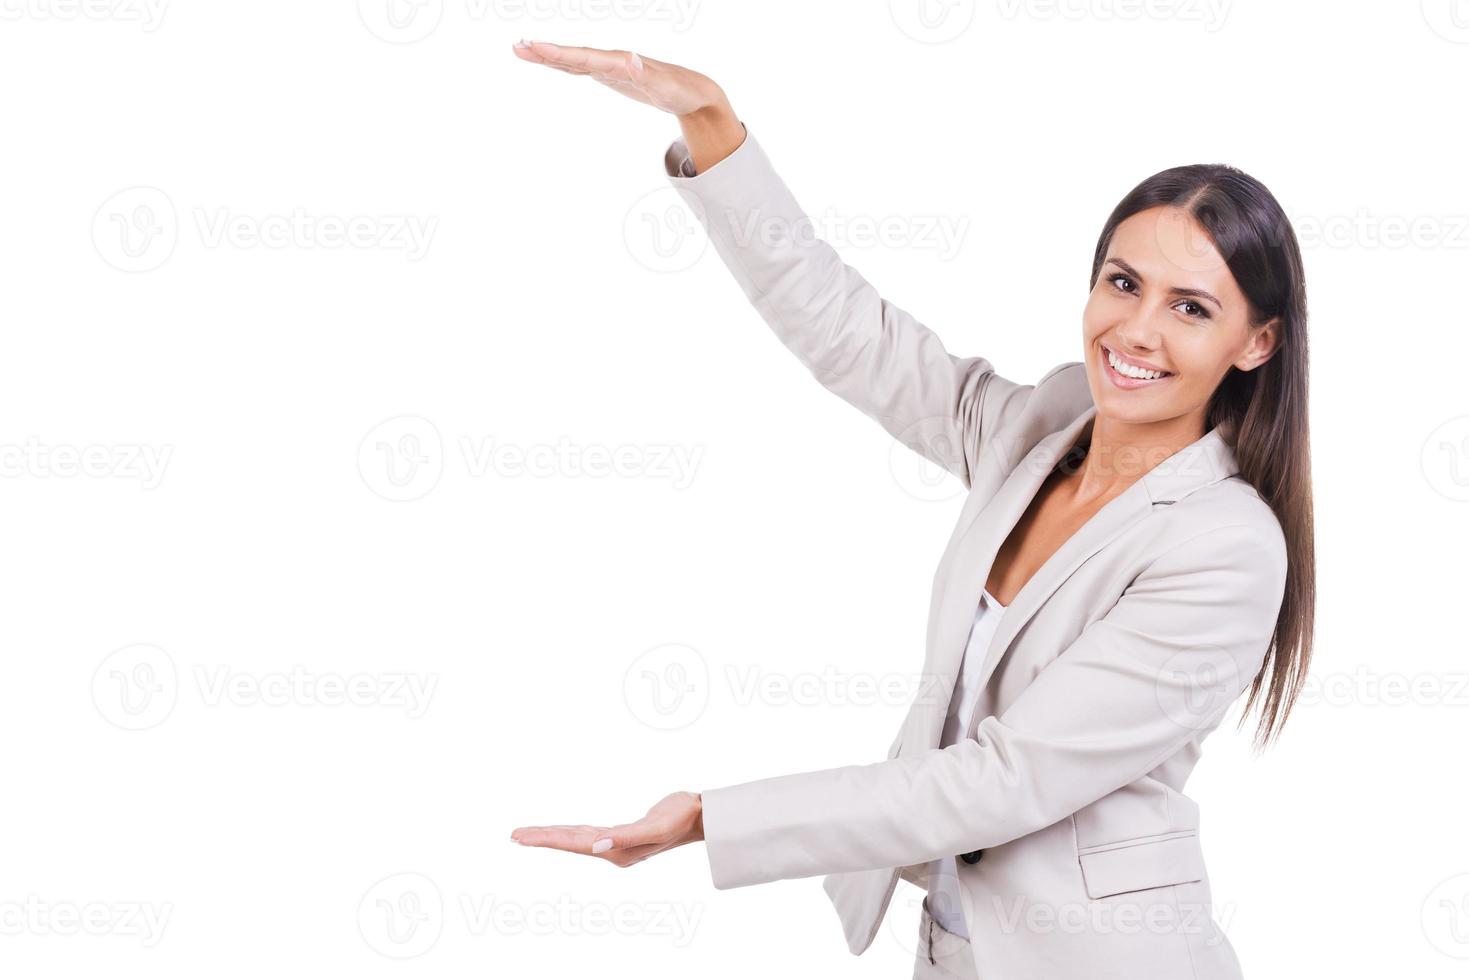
(1094, 314)
(1102, 313)
(1198, 355)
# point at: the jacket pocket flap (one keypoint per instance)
(1131, 866)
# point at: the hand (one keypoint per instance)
(659, 84)
(675, 820)
(711, 129)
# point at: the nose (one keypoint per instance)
(1138, 335)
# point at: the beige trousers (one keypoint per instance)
(941, 954)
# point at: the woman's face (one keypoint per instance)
(1165, 299)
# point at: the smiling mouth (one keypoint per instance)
(1134, 376)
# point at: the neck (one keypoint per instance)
(1119, 453)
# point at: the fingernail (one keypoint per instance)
(637, 63)
(601, 844)
(522, 43)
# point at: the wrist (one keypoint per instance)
(713, 106)
(711, 133)
(711, 122)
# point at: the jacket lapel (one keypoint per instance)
(972, 553)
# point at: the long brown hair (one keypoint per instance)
(1262, 414)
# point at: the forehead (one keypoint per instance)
(1168, 247)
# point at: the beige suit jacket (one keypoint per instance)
(1105, 674)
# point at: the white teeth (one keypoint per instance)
(1127, 370)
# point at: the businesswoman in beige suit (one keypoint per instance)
(1134, 553)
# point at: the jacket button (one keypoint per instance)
(972, 857)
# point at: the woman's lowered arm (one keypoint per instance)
(1159, 670)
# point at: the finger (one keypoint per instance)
(549, 64)
(590, 59)
(519, 832)
(527, 51)
(577, 839)
(632, 855)
(625, 836)
(531, 51)
(598, 61)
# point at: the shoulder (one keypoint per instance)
(1051, 403)
(1074, 374)
(1062, 393)
(1225, 526)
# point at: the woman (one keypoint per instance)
(1135, 551)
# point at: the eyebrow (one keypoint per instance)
(1176, 290)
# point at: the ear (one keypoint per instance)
(1263, 345)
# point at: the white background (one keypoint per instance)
(291, 391)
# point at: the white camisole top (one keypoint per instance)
(943, 880)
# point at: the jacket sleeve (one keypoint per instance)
(1159, 670)
(857, 344)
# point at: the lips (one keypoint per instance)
(1128, 381)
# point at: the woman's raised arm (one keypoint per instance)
(872, 354)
